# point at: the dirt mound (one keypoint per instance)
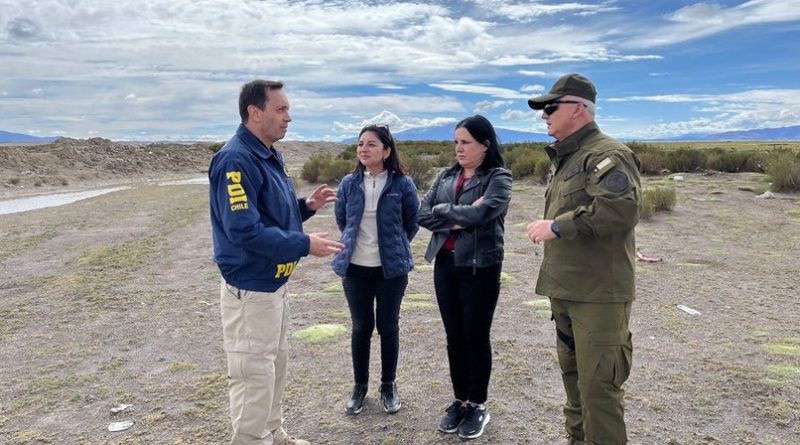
(98, 161)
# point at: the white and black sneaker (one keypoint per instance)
(475, 419)
(452, 418)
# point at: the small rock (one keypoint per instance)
(120, 426)
(678, 178)
(119, 408)
(766, 195)
(688, 310)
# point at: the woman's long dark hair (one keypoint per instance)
(392, 163)
(482, 130)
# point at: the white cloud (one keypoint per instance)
(519, 115)
(395, 123)
(532, 88)
(388, 86)
(178, 64)
(573, 55)
(533, 73)
(527, 11)
(503, 93)
(308, 104)
(704, 19)
(726, 112)
(486, 105)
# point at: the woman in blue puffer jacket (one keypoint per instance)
(376, 210)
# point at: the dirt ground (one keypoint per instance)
(114, 300)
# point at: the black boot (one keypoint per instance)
(390, 398)
(356, 401)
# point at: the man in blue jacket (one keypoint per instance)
(257, 229)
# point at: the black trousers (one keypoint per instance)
(364, 287)
(467, 302)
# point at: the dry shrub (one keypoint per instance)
(334, 170)
(783, 167)
(311, 168)
(652, 163)
(731, 161)
(685, 159)
(646, 209)
(656, 199)
(541, 170)
(215, 146)
(521, 162)
(527, 159)
(652, 158)
(420, 170)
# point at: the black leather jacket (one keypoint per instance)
(480, 242)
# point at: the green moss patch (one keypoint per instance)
(181, 366)
(506, 278)
(782, 349)
(783, 371)
(334, 288)
(320, 333)
(542, 303)
(411, 305)
(418, 297)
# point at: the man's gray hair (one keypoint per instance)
(591, 108)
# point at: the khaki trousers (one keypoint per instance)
(254, 328)
(595, 354)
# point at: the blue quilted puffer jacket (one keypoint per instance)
(396, 219)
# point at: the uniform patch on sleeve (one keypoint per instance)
(237, 198)
(603, 167)
(616, 181)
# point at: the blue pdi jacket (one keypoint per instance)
(256, 219)
(396, 219)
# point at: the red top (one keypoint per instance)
(450, 243)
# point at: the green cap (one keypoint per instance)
(566, 85)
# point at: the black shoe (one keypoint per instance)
(356, 401)
(390, 398)
(452, 418)
(475, 420)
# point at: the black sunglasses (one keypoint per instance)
(551, 107)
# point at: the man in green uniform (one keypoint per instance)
(591, 209)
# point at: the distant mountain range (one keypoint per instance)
(445, 133)
(759, 134)
(6, 136)
(508, 136)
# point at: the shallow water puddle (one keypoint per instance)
(53, 200)
(58, 199)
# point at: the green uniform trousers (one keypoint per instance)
(595, 354)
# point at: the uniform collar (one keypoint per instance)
(572, 142)
(254, 144)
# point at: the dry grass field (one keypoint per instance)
(114, 300)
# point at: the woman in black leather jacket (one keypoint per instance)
(465, 209)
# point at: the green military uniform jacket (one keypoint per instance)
(593, 193)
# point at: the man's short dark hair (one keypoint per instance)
(255, 93)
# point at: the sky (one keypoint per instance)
(172, 69)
